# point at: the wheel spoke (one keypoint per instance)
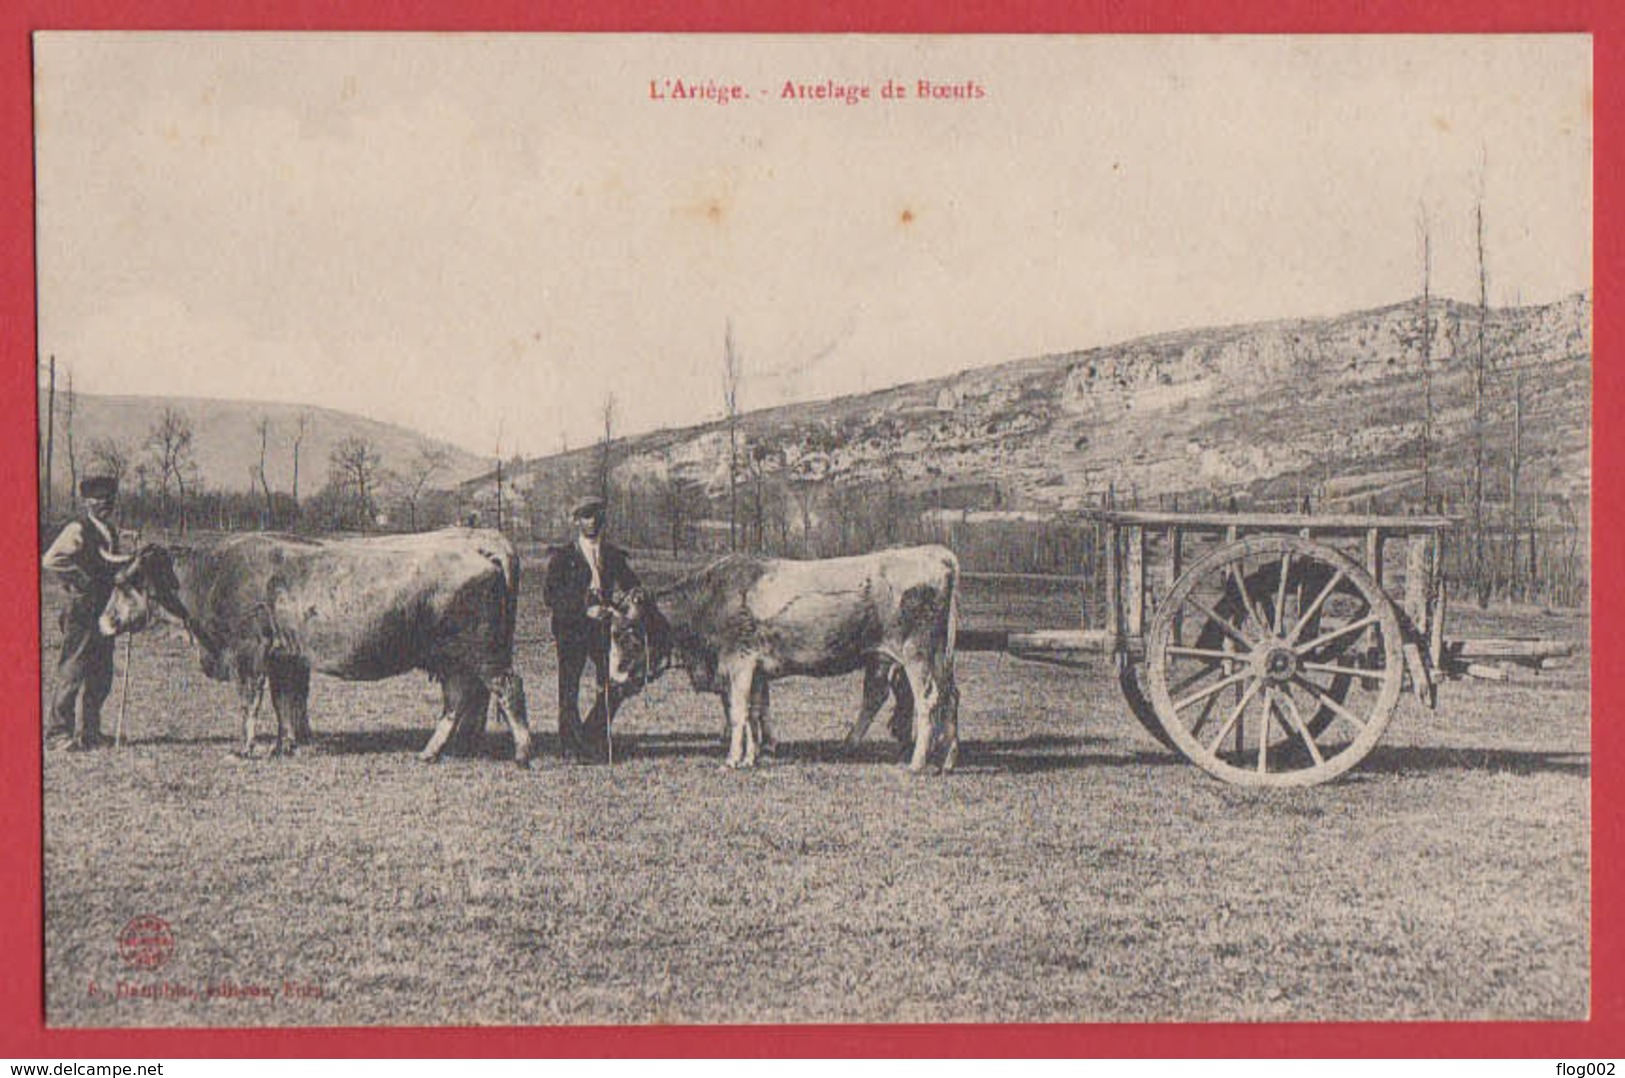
(1314, 608)
(1229, 724)
(1280, 593)
(1264, 731)
(1249, 610)
(1206, 713)
(1193, 679)
(1326, 638)
(1326, 700)
(1346, 671)
(1291, 711)
(1202, 653)
(1235, 633)
(1217, 686)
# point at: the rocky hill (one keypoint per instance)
(1266, 413)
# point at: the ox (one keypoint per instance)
(271, 608)
(744, 621)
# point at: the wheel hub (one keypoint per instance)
(1279, 664)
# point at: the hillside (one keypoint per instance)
(227, 447)
(1268, 412)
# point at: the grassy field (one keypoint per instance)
(1072, 870)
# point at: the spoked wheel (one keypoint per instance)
(1275, 661)
(1130, 679)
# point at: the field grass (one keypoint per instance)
(1072, 870)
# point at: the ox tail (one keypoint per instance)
(951, 636)
(506, 562)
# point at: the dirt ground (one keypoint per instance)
(1071, 870)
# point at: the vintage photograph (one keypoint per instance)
(656, 529)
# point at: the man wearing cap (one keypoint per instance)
(583, 578)
(85, 558)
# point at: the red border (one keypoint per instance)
(22, 1033)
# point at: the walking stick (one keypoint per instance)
(609, 738)
(124, 690)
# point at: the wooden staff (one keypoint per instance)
(124, 690)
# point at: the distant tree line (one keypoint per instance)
(163, 489)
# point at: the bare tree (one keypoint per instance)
(69, 402)
(730, 401)
(262, 427)
(50, 438)
(419, 470)
(1480, 366)
(804, 491)
(499, 474)
(606, 461)
(1427, 364)
(110, 457)
(355, 465)
(756, 459)
(671, 500)
(301, 428)
(169, 446)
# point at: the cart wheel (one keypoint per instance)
(1130, 678)
(1275, 661)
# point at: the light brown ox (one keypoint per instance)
(744, 621)
(267, 608)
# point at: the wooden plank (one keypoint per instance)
(1134, 581)
(1352, 523)
(1436, 602)
(1176, 569)
(1416, 582)
(1421, 678)
(1057, 643)
(1373, 553)
(982, 640)
(1092, 640)
(1028, 578)
(1520, 649)
(1114, 605)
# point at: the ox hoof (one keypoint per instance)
(428, 757)
(523, 762)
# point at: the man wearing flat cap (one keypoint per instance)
(85, 558)
(583, 578)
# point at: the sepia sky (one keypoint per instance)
(484, 236)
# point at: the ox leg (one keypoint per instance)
(290, 699)
(876, 687)
(742, 736)
(250, 693)
(452, 694)
(467, 700)
(760, 696)
(902, 716)
(949, 724)
(441, 734)
(926, 699)
(509, 690)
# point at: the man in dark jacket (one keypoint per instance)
(583, 579)
(85, 557)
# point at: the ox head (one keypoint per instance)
(639, 641)
(147, 582)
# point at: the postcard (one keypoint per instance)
(554, 530)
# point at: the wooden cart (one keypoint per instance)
(1271, 649)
